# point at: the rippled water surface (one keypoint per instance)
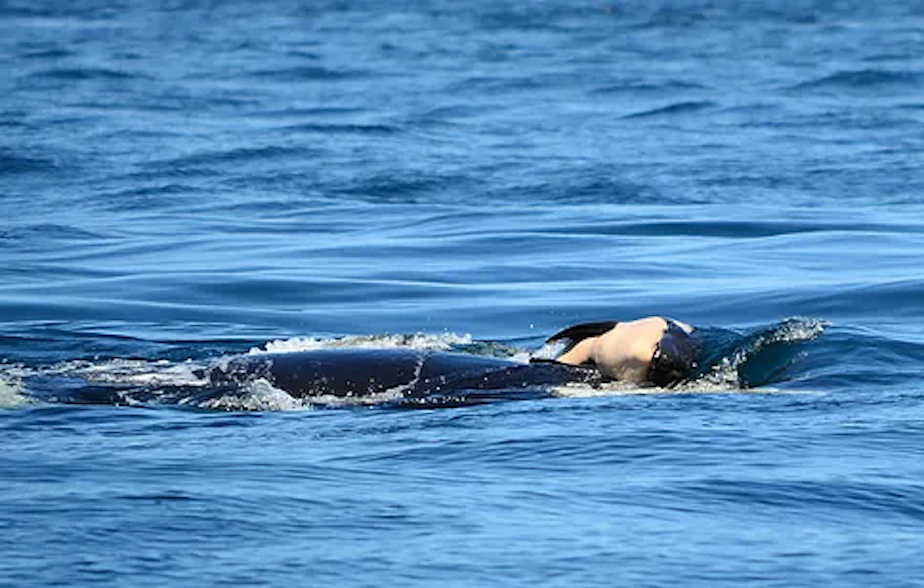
(186, 182)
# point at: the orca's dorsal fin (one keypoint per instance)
(574, 335)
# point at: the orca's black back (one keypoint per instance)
(414, 374)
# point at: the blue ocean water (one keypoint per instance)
(185, 181)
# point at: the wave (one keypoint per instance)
(75, 74)
(343, 129)
(644, 87)
(29, 236)
(581, 186)
(12, 164)
(731, 361)
(208, 159)
(48, 53)
(862, 79)
(835, 498)
(663, 15)
(759, 358)
(678, 108)
(308, 73)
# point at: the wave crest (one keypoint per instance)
(763, 356)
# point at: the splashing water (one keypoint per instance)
(416, 341)
(11, 394)
(762, 357)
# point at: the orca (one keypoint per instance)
(410, 373)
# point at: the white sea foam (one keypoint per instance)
(701, 386)
(417, 341)
(256, 395)
(579, 390)
(795, 329)
(11, 393)
(135, 372)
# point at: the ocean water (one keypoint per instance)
(181, 182)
